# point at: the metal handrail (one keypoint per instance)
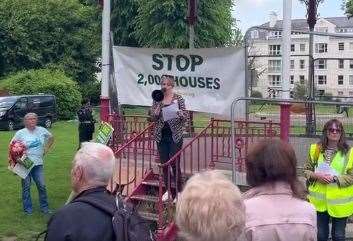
(176, 155)
(134, 138)
(284, 101)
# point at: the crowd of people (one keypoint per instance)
(209, 207)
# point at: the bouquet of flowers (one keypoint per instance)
(18, 159)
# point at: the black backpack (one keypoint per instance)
(127, 224)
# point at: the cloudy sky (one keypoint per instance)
(255, 12)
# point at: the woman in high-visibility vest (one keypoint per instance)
(329, 172)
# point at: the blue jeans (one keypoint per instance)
(38, 177)
(338, 232)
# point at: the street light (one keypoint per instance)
(312, 6)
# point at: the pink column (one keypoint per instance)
(285, 121)
(104, 112)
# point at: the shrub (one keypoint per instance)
(256, 94)
(46, 81)
(91, 91)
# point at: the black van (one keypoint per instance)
(14, 108)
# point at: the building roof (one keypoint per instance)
(301, 24)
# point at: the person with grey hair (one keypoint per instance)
(210, 208)
(38, 142)
(92, 169)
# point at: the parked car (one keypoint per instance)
(14, 108)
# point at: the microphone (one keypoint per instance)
(157, 95)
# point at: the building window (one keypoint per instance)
(292, 64)
(274, 49)
(274, 65)
(321, 79)
(342, 30)
(341, 63)
(302, 79)
(322, 29)
(340, 46)
(351, 80)
(350, 93)
(351, 64)
(292, 47)
(302, 64)
(321, 64)
(255, 34)
(321, 48)
(302, 47)
(340, 80)
(292, 79)
(340, 93)
(274, 80)
(275, 34)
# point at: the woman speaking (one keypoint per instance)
(168, 130)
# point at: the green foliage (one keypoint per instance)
(299, 91)
(256, 94)
(349, 8)
(38, 33)
(163, 24)
(123, 17)
(49, 82)
(92, 92)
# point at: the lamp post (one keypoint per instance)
(286, 41)
(311, 20)
(104, 98)
(191, 20)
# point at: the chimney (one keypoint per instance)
(273, 19)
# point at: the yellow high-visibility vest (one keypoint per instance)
(337, 201)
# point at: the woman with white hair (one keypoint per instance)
(38, 142)
(210, 208)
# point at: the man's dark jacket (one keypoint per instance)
(79, 221)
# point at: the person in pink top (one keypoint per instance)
(276, 208)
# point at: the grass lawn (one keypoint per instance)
(57, 166)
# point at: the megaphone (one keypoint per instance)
(157, 95)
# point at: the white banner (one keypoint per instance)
(208, 79)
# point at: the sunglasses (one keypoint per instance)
(334, 130)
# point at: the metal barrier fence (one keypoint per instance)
(317, 65)
(325, 110)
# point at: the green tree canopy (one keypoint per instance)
(37, 33)
(349, 8)
(163, 24)
(299, 91)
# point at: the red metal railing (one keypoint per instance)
(247, 133)
(126, 127)
(194, 157)
(133, 161)
(209, 149)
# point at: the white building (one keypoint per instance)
(333, 75)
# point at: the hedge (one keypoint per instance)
(46, 81)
